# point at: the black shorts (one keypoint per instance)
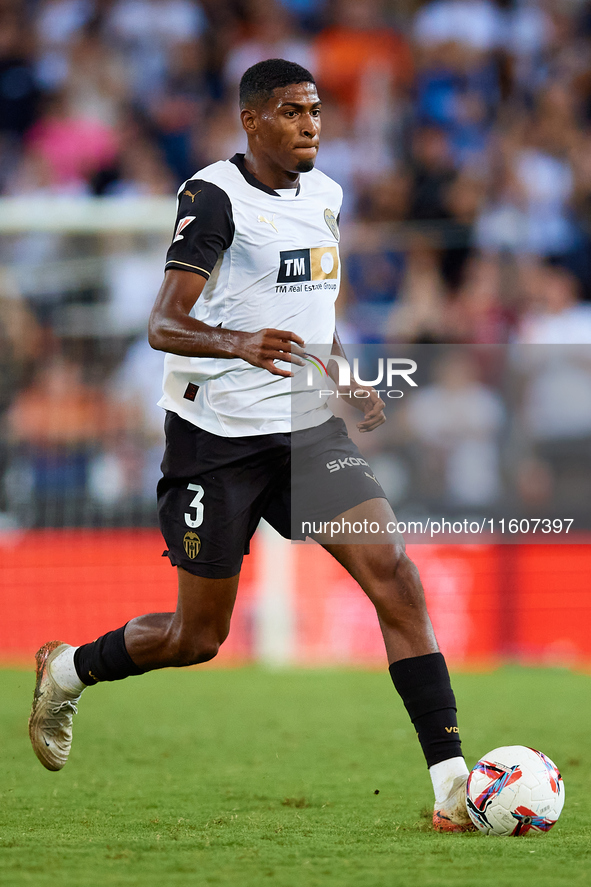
(215, 490)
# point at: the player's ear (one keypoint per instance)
(249, 119)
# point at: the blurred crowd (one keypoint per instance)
(460, 131)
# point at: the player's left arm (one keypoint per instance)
(369, 403)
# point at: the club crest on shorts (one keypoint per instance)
(329, 218)
(192, 544)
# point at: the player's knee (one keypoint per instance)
(387, 564)
(194, 650)
(396, 586)
(205, 652)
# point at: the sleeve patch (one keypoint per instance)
(204, 227)
(181, 227)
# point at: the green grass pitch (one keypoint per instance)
(250, 777)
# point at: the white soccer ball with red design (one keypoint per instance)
(514, 790)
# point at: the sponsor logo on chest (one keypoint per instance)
(302, 270)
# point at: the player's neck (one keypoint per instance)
(270, 175)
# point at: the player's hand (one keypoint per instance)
(263, 348)
(371, 404)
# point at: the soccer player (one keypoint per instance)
(233, 327)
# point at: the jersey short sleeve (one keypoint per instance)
(204, 228)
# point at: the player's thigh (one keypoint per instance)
(371, 522)
(329, 477)
(205, 522)
(377, 560)
(211, 496)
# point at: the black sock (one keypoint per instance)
(105, 659)
(424, 685)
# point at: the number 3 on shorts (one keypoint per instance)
(197, 505)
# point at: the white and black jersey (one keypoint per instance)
(271, 260)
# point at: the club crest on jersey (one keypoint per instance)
(181, 227)
(329, 218)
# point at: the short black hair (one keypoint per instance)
(259, 81)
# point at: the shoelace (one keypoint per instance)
(64, 706)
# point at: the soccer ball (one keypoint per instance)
(513, 790)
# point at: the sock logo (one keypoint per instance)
(452, 729)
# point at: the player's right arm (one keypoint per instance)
(204, 229)
(174, 330)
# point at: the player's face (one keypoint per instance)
(288, 127)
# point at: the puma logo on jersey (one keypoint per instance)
(373, 477)
(270, 221)
(192, 196)
(181, 227)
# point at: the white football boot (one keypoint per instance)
(452, 815)
(50, 722)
